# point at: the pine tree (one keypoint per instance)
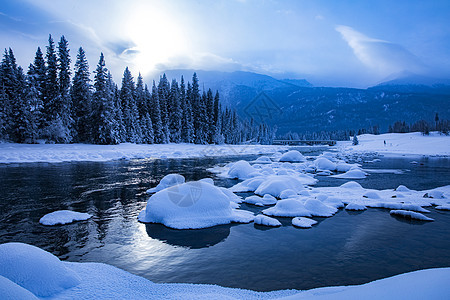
(129, 108)
(210, 126)
(36, 81)
(51, 105)
(355, 140)
(163, 96)
(187, 122)
(104, 123)
(81, 98)
(156, 116)
(175, 114)
(64, 98)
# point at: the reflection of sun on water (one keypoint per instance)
(156, 35)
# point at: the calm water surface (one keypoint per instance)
(349, 248)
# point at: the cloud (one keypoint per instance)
(383, 57)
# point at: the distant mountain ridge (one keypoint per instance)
(304, 107)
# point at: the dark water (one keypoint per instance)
(349, 248)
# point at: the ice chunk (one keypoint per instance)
(288, 208)
(192, 205)
(323, 163)
(34, 269)
(319, 209)
(61, 217)
(355, 206)
(292, 156)
(443, 207)
(242, 170)
(167, 181)
(352, 174)
(410, 215)
(303, 222)
(266, 221)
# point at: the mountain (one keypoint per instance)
(295, 105)
(410, 82)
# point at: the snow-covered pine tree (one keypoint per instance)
(188, 123)
(156, 116)
(210, 127)
(36, 81)
(175, 113)
(129, 109)
(7, 84)
(65, 101)
(197, 110)
(355, 140)
(218, 137)
(20, 110)
(104, 127)
(148, 136)
(81, 94)
(163, 96)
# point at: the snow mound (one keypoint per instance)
(352, 174)
(352, 185)
(303, 222)
(10, 291)
(34, 269)
(399, 206)
(263, 160)
(371, 195)
(192, 205)
(242, 170)
(334, 202)
(355, 206)
(287, 194)
(410, 215)
(266, 221)
(288, 208)
(434, 194)
(319, 209)
(292, 156)
(344, 167)
(443, 207)
(402, 188)
(276, 184)
(167, 181)
(207, 180)
(323, 163)
(260, 201)
(63, 217)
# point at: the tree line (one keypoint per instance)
(49, 104)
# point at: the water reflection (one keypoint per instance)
(193, 239)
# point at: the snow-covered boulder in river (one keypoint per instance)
(61, 217)
(192, 205)
(167, 181)
(292, 156)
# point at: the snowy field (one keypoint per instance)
(413, 143)
(53, 153)
(28, 272)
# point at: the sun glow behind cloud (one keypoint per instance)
(156, 37)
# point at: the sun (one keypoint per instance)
(157, 37)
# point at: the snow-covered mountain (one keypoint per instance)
(298, 106)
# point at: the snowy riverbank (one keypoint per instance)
(413, 143)
(53, 153)
(27, 272)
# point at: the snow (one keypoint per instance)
(63, 217)
(288, 208)
(410, 215)
(292, 156)
(36, 270)
(303, 222)
(276, 184)
(443, 207)
(319, 209)
(192, 205)
(102, 281)
(352, 174)
(266, 221)
(167, 181)
(55, 153)
(352, 185)
(261, 201)
(242, 170)
(323, 163)
(287, 194)
(413, 143)
(355, 206)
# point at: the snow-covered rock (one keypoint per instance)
(167, 181)
(371, 195)
(192, 205)
(352, 174)
(434, 194)
(323, 163)
(355, 206)
(319, 209)
(11, 291)
(292, 156)
(443, 207)
(242, 170)
(410, 215)
(263, 160)
(61, 217)
(34, 269)
(352, 185)
(287, 194)
(260, 201)
(276, 184)
(266, 221)
(402, 188)
(288, 208)
(303, 222)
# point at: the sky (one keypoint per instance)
(329, 43)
